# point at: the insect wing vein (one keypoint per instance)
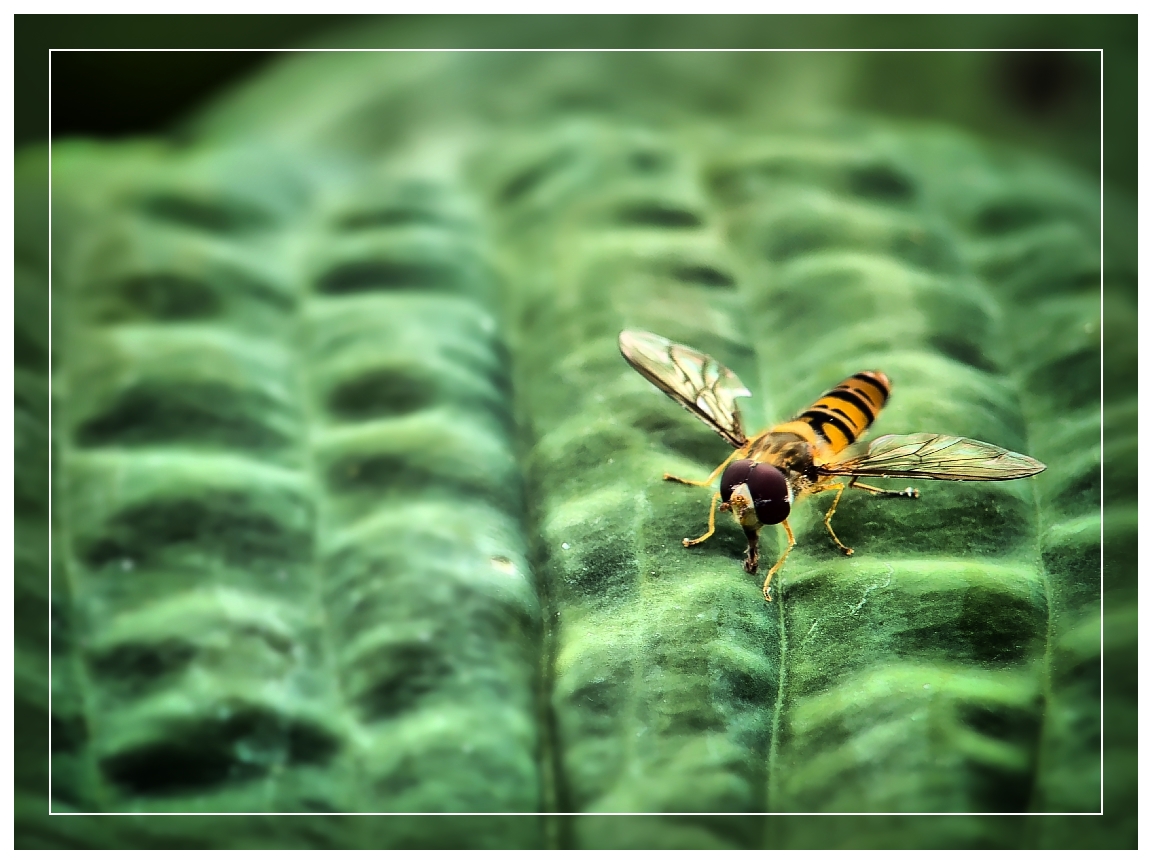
(939, 457)
(698, 382)
(693, 368)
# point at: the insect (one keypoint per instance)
(767, 473)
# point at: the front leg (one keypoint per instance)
(711, 522)
(780, 562)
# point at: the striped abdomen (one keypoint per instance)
(846, 411)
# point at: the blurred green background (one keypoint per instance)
(1045, 102)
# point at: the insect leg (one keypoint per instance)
(780, 562)
(711, 524)
(876, 490)
(711, 477)
(828, 516)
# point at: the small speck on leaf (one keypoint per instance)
(502, 564)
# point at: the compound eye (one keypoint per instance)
(735, 474)
(769, 493)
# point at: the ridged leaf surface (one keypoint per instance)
(356, 507)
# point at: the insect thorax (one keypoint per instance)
(789, 452)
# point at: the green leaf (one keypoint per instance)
(356, 507)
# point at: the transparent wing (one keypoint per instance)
(706, 388)
(937, 457)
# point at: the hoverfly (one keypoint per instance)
(767, 473)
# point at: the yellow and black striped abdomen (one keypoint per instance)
(846, 411)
